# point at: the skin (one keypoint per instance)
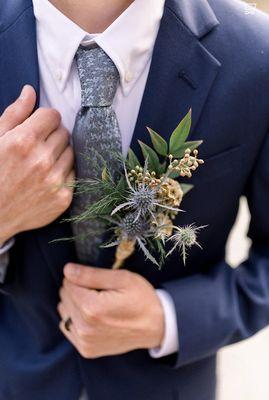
(112, 312)
(36, 163)
(94, 16)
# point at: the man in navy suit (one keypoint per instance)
(210, 55)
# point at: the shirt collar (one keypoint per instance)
(129, 40)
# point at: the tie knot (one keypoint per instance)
(98, 76)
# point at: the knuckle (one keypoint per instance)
(69, 156)
(54, 115)
(21, 144)
(64, 134)
(87, 312)
(49, 114)
(52, 180)
(82, 333)
(44, 164)
(86, 351)
(65, 197)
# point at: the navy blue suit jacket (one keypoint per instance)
(211, 56)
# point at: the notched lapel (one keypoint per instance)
(18, 53)
(182, 71)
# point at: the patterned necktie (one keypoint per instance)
(96, 132)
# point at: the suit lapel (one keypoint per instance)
(182, 69)
(18, 54)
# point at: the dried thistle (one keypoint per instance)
(184, 238)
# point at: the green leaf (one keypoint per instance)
(151, 156)
(163, 168)
(187, 145)
(121, 185)
(174, 174)
(158, 142)
(180, 134)
(186, 187)
(132, 159)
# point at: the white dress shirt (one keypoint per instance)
(129, 42)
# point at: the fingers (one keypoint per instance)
(41, 123)
(81, 296)
(19, 111)
(57, 142)
(70, 335)
(65, 164)
(66, 308)
(97, 278)
(70, 180)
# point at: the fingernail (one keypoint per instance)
(72, 270)
(24, 92)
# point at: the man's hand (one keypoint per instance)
(112, 312)
(36, 161)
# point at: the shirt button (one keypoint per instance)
(129, 76)
(58, 75)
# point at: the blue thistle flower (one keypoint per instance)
(184, 238)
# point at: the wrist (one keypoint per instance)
(6, 235)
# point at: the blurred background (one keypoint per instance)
(263, 4)
(243, 368)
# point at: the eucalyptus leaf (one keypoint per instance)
(151, 156)
(158, 142)
(192, 145)
(132, 159)
(180, 134)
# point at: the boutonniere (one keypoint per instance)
(140, 205)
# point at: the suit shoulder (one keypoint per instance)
(10, 10)
(242, 37)
(244, 21)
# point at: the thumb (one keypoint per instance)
(19, 111)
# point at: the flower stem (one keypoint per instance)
(124, 250)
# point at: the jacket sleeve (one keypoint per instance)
(227, 305)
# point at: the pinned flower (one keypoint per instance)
(139, 202)
(185, 238)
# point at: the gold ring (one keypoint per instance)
(67, 324)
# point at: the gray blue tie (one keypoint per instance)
(96, 133)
